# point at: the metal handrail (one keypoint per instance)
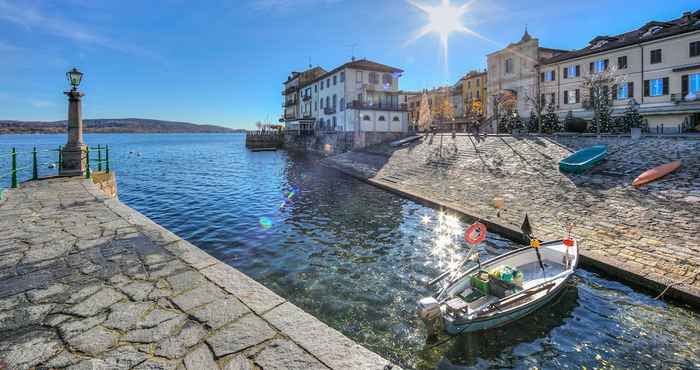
(35, 162)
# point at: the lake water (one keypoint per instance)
(358, 257)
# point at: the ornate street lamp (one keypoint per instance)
(74, 76)
(74, 153)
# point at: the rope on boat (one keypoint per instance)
(679, 282)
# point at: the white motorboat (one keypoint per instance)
(500, 290)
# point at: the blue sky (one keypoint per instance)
(223, 62)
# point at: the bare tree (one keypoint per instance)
(424, 115)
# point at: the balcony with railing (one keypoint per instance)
(306, 97)
(289, 103)
(328, 110)
(356, 104)
(290, 90)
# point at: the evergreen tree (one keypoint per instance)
(632, 118)
(550, 120)
(532, 122)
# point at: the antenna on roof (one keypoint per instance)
(352, 47)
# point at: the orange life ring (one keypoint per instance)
(469, 235)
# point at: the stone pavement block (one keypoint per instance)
(176, 346)
(153, 364)
(244, 333)
(72, 328)
(137, 290)
(24, 316)
(238, 362)
(157, 333)
(30, 348)
(125, 315)
(192, 255)
(199, 296)
(42, 295)
(200, 359)
(185, 281)
(96, 302)
(93, 341)
(249, 291)
(285, 355)
(323, 342)
(220, 312)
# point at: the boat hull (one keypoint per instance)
(656, 173)
(584, 159)
(454, 327)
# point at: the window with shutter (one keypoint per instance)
(566, 73)
(578, 70)
(622, 62)
(590, 68)
(578, 96)
(695, 49)
(614, 92)
(684, 85)
(647, 87)
(655, 56)
(665, 86)
(630, 89)
(566, 97)
(606, 62)
(554, 75)
(542, 77)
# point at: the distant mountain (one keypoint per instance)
(117, 125)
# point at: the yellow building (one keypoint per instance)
(474, 92)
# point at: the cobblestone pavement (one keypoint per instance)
(650, 232)
(88, 283)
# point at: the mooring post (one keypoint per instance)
(35, 170)
(60, 158)
(14, 168)
(87, 162)
(99, 158)
(107, 157)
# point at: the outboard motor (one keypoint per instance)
(430, 313)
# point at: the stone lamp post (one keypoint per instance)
(73, 153)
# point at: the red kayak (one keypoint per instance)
(656, 173)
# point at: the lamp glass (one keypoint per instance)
(74, 76)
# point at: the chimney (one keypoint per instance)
(687, 17)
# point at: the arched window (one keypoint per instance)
(366, 117)
(328, 101)
(381, 118)
(396, 119)
(320, 123)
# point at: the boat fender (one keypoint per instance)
(471, 238)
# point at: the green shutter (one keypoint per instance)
(665, 87)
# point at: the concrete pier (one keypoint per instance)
(88, 283)
(647, 237)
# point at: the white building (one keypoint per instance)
(358, 96)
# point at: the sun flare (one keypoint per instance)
(443, 19)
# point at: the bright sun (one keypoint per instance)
(443, 20)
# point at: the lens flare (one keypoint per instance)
(265, 223)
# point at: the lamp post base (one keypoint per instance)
(73, 160)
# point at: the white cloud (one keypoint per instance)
(39, 103)
(31, 19)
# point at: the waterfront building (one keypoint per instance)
(292, 113)
(474, 92)
(657, 65)
(457, 98)
(358, 96)
(513, 72)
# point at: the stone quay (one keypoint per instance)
(89, 283)
(646, 237)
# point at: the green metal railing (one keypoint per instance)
(102, 163)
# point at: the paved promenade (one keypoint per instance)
(88, 283)
(647, 236)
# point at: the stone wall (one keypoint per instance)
(331, 143)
